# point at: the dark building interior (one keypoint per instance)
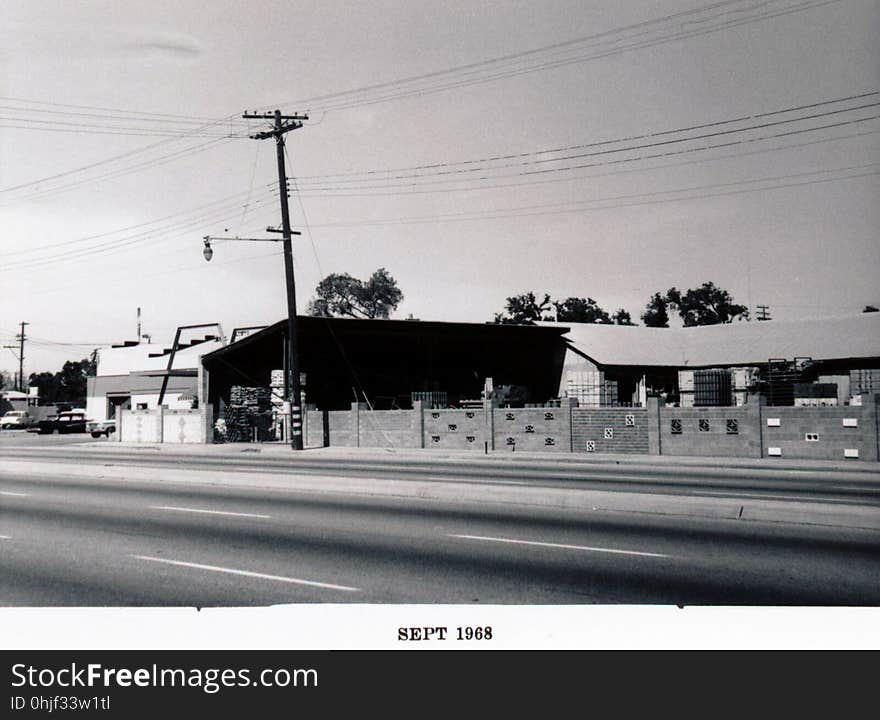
(388, 360)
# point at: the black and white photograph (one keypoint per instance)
(466, 324)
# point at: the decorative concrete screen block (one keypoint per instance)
(773, 422)
(609, 433)
(630, 420)
(510, 441)
(452, 427)
(704, 424)
(675, 426)
(509, 416)
(182, 426)
(591, 446)
(732, 426)
(548, 415)
(851, 453)
(549, 441)
(811, 437)
(850, 422)
(774, 451)
(530, 428)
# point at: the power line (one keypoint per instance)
(331, 187)
(111, 159)
(599, 143)
(342, 191)
(454, 83)
(221, 201)
(637, 199)
(117, 245)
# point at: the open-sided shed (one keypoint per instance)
(385, 361)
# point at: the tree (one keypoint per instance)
(580, 310)
(656, 311)
(622, 317)
(706, 305)
(67, 385)
(871, 308)
(524, 309)
(341, 295)
(5, 380)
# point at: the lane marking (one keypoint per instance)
(208, 512)
(561, 545)
(14, 494)
(247, 573)
(5, 537)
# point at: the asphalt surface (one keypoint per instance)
(168, 530)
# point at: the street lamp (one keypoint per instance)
(291, 383)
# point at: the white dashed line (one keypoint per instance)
(209, 512)
(14, 494)
(247, 573)
(5, 537)
(561, 545)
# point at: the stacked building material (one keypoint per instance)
(238, 424)
(864, 381)
(431, 400)
(277, 401)
(245, 403)
(590, 388)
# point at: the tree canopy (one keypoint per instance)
(706, 305)
(67, 385)
(656, 311)
(580, 310)
(341, 295)
(524, 309)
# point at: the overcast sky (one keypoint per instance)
(474, 149)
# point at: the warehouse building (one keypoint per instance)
(827, 361)
(390, 363)
(142, 376)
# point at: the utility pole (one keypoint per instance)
(763, 312)
(284, 124)
(21, 338)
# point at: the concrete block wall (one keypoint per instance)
(183, 426)
(609, 430)
(314, 428)
(140, 426)
(343, 431)
(821, 433)
(388, 428)
(711, 431)
(456, 429)
(533, 429)
(159, 425)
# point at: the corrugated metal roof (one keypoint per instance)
(738, 343)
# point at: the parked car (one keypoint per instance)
(16, 419)
(101, 427)
(72, 421)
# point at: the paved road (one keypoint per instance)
(129, 535)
